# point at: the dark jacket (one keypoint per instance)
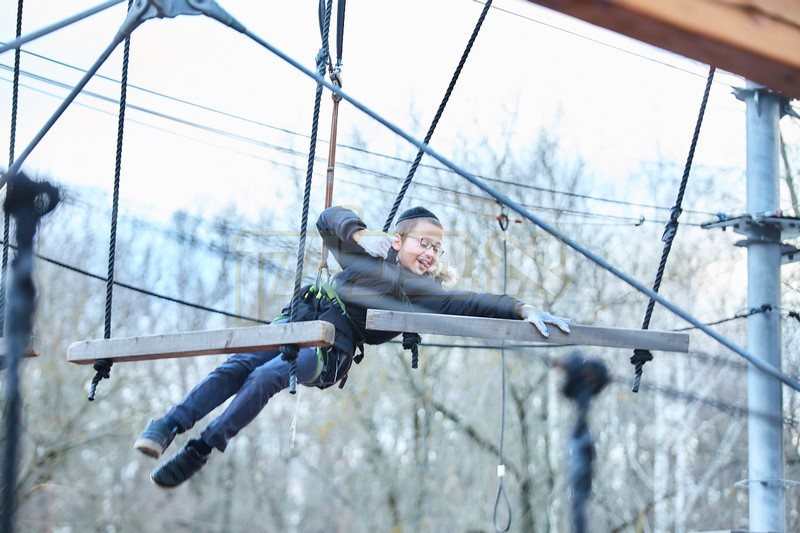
(369, 283)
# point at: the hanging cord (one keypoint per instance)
(437, 116)
(640, 357)
(27, 201)
(340, 11)
(584, 380)
(335, 74)
(411, 341)
(11, 148)
(502, 219)
(290, 351)
(102, 367)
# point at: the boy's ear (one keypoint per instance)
(397, 242)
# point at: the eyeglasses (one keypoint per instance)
(428, 244)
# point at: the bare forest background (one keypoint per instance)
(400, 449)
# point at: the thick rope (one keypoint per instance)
(340, 12)
(27, 201)
(11, 148)
(103, 366)
(437, 116)
(290, 351)
(584, 380)
(640, 357)
(501, 467)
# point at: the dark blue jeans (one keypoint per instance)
(253, 378)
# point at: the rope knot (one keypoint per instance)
(102, 368)
(289, 353)
(638, 359)
(641, 357)
(411, 342)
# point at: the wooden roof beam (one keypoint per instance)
(757, 39)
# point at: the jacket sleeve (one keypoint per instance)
(337, 226)
(427, 296)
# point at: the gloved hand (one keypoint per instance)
(540, 318)
(375, 243)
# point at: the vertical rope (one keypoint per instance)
(437, 116)
(501, 467)
(584, 380)
(10, 360)
(11, 149)
(640, 357)
(290, 351)
(27, 201)
(103, 366)
(340, 12)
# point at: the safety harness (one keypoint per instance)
(325, 291)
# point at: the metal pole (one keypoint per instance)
(764, 392)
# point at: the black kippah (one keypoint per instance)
(416, 212)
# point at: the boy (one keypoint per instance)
(380, 271)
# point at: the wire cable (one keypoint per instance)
(601, 43)
(19, 41)
(503, 221)
(535, 219)
(615, 201)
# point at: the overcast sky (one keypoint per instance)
(613, 101)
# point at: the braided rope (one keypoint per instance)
(10, 361)
(11, 149)
(438, 116)
(103, 366)
(290, 353)
(640, 357)
(27, 201)
(340, 12)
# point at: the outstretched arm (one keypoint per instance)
(346, 236)
(428, 296)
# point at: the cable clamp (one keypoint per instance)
(672, 226)
(501, 470)
(335, 73)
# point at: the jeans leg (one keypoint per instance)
(217, 387)
(261, 385)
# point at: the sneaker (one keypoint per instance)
(179, 468)
(155, 438)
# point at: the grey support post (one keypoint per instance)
(767, 502)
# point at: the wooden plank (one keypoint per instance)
(758, 39)
(32, 351)
(189, 344)
(521, 331)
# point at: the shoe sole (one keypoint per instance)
(149, 447)
(163, 487)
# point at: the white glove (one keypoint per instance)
(375, 243)
(540, 318)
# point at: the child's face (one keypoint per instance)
(411, 247)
